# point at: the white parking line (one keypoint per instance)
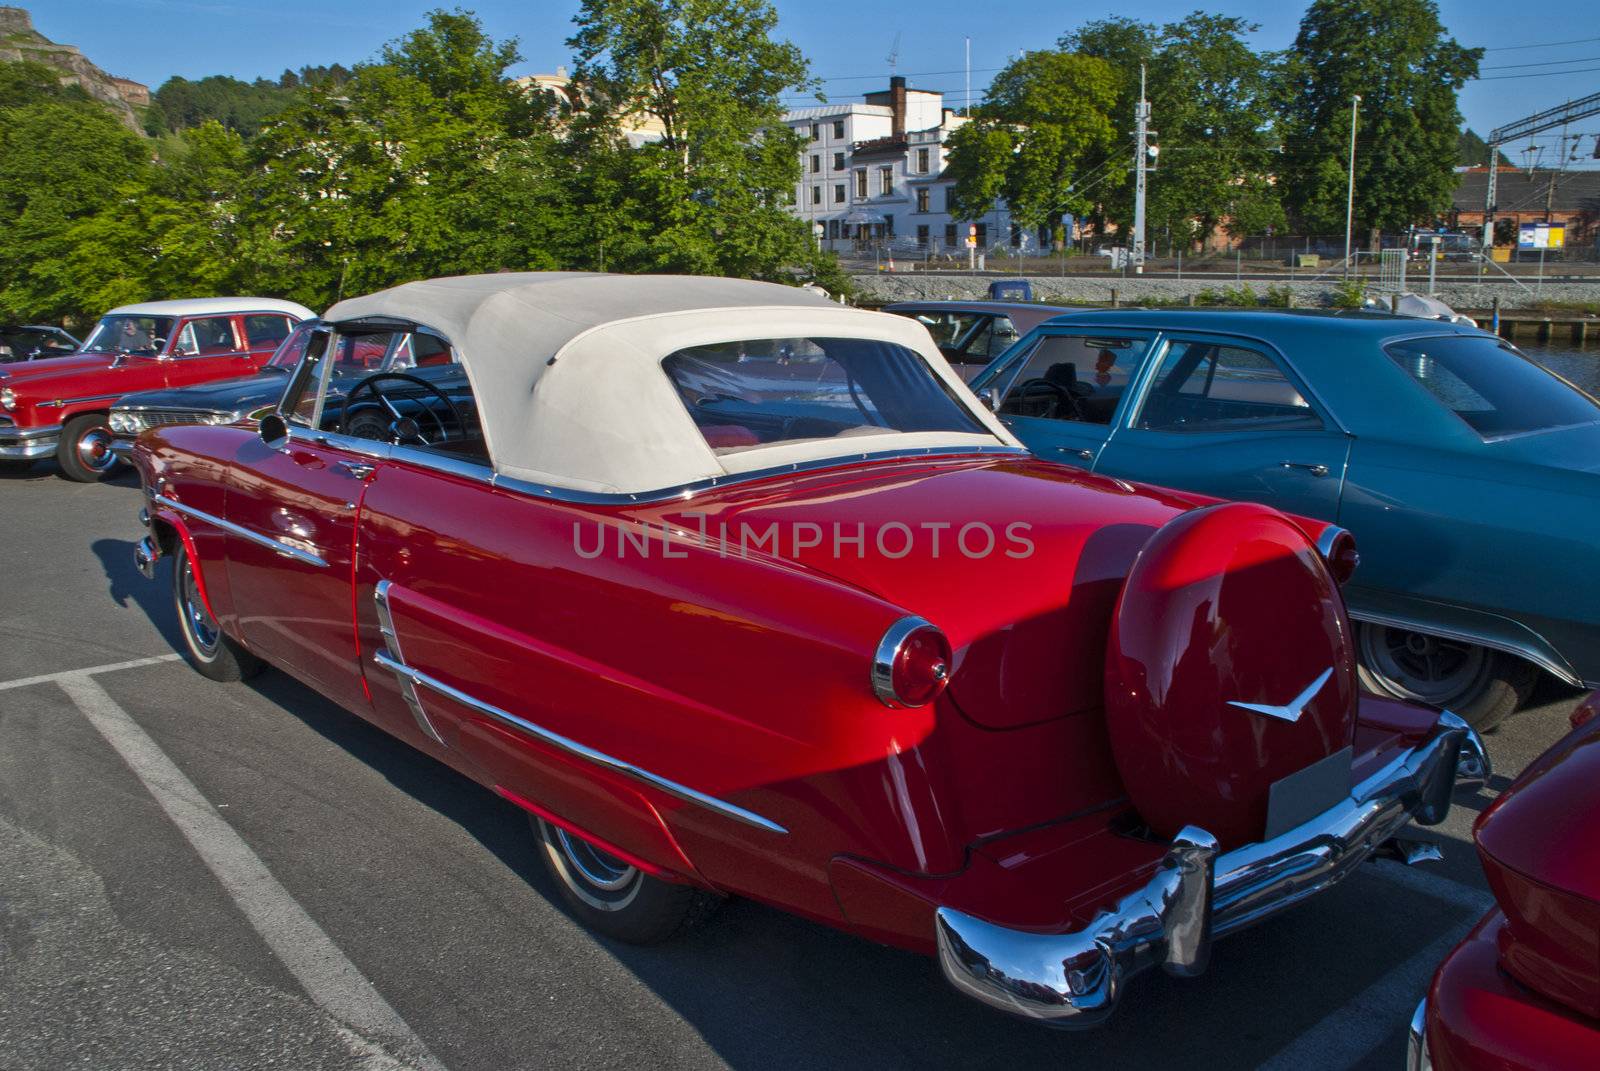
(326, 974)
(51, 678)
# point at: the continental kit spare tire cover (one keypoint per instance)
(1225, 605)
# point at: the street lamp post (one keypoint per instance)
(1350, 200)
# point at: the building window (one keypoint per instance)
(816, 163)
(838, 193)
(885, 180)
(816, 195)
(838, 128)
(816, 132)
(922, 236)
(1016, 236)
(922, 199)
(922, 161)
(838, 161)
(948, 192)
(983, 236)
(888, 224)
(950, 235)
(861, 184)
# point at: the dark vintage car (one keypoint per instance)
(35, 342)
(59, 408)
(1522, 992)
(736, 591)
(1469, 474)
(972, 333)
(228, 400)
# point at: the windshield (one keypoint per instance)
(144, 335)
(762, 392)
(1496, 390)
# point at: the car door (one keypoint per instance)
(263, 333)
(1229, 418)
(1062, 394)
(206, 348)
(292, 507)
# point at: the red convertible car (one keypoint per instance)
(1522, 992)
(737, 591)
(59, 408)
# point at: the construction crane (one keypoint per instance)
(1549, 119)
(894, 53)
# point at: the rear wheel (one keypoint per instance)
(1483, 686)
(210, 651)
(614, 897)
(84, 449)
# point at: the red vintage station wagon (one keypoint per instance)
(59, 408)
(739, 592)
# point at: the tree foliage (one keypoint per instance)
(708, 195)
(1473, 151)
(1397, 57)
(1045, 115)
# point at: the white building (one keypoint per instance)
(876, 170)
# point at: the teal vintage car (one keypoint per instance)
(1469, 474)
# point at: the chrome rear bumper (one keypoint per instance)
(1075, 979)
(20, 444)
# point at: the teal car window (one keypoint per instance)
(1493, 388)
(1079, 378)
(1207, 387)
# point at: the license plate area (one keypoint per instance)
(1301, 796)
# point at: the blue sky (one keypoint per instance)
(149, 40)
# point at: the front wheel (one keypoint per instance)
(1480, 685)
(614, 897)
(84, 449)
(210, 651)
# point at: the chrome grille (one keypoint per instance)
(152, 418)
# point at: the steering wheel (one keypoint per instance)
(1063, 402)
(404, 428)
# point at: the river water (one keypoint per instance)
(1581, 366)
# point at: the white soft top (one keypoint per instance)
(214, 306)
(566, 369)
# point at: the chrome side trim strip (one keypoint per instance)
(572, 747)
(1563, 672)
(391, 639)
(278, 546)
(61, 403)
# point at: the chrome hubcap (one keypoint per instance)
(1420, 667)
(202, 629)
(596, 877)
(94, 450)
(598, 868)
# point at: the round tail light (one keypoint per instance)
(1338, 548)
(912, 664)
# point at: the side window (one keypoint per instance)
(263, 331)
(299, 405)
(206, 337)
(1208, 386)
(1075, 377)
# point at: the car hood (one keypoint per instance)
(20, 373)
(1046, 549)
(222, 396)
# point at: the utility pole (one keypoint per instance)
(967, 108)
(1141, 136)
(1350, 199)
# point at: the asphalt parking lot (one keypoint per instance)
(245, 876)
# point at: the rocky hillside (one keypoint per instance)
(20, 41)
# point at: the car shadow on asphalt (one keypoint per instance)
(127, 587)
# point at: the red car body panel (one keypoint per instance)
(743, 675)
(1523, 991)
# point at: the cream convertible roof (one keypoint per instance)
(565, 367)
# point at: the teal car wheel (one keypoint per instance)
(1482, 686)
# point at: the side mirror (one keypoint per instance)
(990, 399)
(273, 431)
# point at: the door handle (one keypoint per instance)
(357, 469)
(1082, 455)
(1314, 469)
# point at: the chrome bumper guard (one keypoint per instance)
(1198, 893)
(146, 553)
(23, 444)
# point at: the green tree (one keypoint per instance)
(1043, 119)
(240, 106)
(1474, 151)
(427, 163)
(681, 159)
(1212, 103)
(1396, 56)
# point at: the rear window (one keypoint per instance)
(762, 392)
(1496, 390)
